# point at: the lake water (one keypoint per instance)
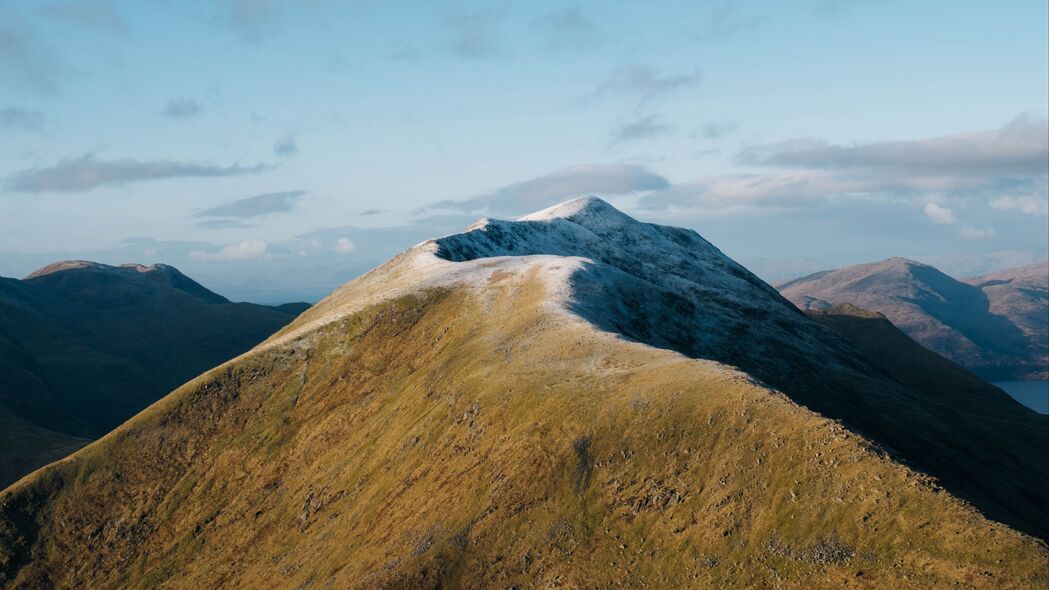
(1033, 394)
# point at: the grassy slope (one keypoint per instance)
(421, 442)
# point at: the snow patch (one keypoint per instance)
(660, 285)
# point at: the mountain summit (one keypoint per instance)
(995, 325)
(84, 275)
(573, 398)
(84, 346)
(661, 285)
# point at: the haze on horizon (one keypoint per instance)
(275, 150)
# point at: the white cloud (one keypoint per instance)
(246, 250)
(1019, 147)
(91, 14)
(717, 129)
(475, 35)
(975, 233)
(1029, 204)
(645, 82)
(345, 246)
(643, 128)
(566, 29)
(971, 265)
(979, 165)
(86, 173)
(536, 193)
(256, 206)
(740, 192)
(21, 118)
(182, 108)
(938, 214)
(27, 63)
(286, 146)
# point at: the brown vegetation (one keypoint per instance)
(458, 438)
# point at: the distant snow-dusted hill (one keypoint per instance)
(996, 326)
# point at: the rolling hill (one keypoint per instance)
(85, 346)
(996, 326)
(572, 399)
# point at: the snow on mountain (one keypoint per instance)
(661, 285)
(408, 440)
(670, 289)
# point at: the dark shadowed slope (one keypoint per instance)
(902, 359)
(993, 330)
(87, 345)
(508, 407)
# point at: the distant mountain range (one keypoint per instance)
(573, 399)
(84, 346)
(996, 325)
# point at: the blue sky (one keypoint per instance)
(274, 150)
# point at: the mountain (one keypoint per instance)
(1022, 295)
(996, 326)
(85, 346)
(572, 399)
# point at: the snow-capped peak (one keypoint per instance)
(662, 285)
(589, 207)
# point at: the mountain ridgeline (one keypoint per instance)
(996, 326)
(573, 399)
(87, 345)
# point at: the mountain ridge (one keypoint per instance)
(500, 421)
(990, 326)
(86, 345)
(161, 273)
(670, 288)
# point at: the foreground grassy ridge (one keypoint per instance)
(457, 441)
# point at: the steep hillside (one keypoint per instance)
(902, 359)
(503, 408)
(956, 319)
(85, 346)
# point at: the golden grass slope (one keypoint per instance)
(475, 439)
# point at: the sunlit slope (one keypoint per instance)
(464, 437)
